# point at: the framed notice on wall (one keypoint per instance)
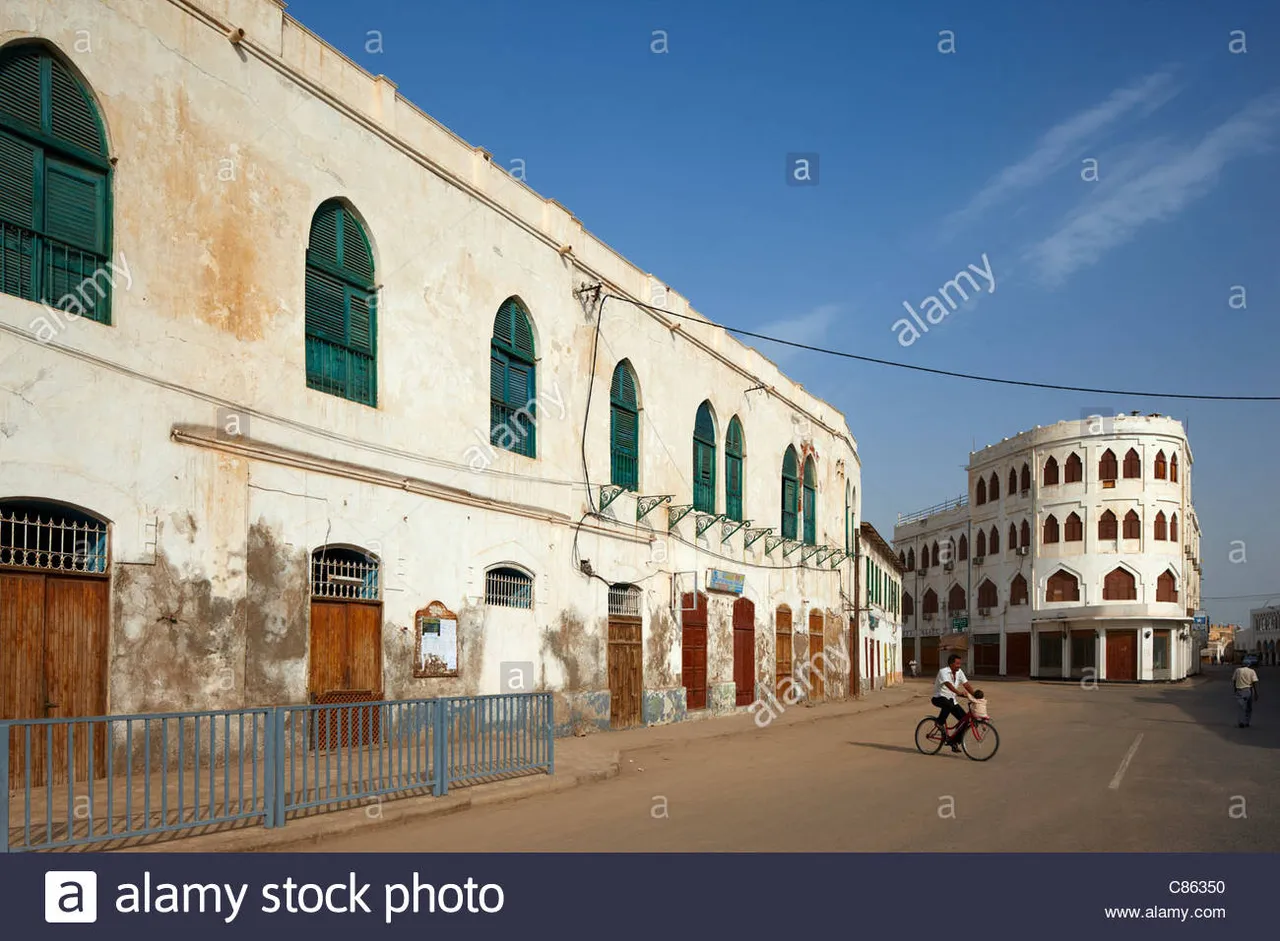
(436, 645)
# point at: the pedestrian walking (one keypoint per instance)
(1245, 684)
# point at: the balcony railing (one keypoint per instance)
(38, 268)
(340, 371)
(955, 504)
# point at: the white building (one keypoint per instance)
(880, 575)
(309, 399)
(1262, 635)
(1074, 553)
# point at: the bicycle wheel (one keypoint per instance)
(928, 736)
(980, 741)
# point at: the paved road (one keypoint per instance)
(858, 784)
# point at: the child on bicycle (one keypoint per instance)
(978, 705)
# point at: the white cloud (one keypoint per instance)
(810, 329)
(1062, 144)
(1153, 187)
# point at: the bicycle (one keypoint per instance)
(980, 744)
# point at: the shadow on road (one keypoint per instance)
(1212, 706)
(882, 747)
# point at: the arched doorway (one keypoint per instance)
(346, 640)
(744, 651)
(55, 591)
(693, 649)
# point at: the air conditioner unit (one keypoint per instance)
(984, 612)
(948, 566)
(1023, 550)
(977, 559)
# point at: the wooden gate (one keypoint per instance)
(744, 651)
(929, 656)
(817, 659)
(1122, 655)
(784, 652)
(1017, 655)
(346, 667)
(693, 649)
(626, 671)
(53, 656)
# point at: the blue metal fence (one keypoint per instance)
(106, 779)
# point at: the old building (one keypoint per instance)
(307, 399)
(1075, 552)
(1260, 639)
(881, 610)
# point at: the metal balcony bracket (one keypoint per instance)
(826, 552)
(705, 521)
(791, 546)
(609, 493)
(808, 552)
(676, 513)
(753, 535)
(730, 527)
(772, 543)
(646, 505)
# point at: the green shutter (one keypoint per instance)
(622, 390)
(360, 332)
(326, 306)
(704, 477)
(704, 428)
(789, 507)
(323, 247)
(73, 206)
(355, 255)
(17, 181)
(20, 96)
(72, 116)
(733, 487)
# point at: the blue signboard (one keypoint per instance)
(730, 582)
(1202, 620)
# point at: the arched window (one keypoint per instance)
(1050, 529)
(988, 597)
(1073, 529)
(964, 548)
(1132, 526)
(1107, 470)
(930, 602)
(1161, 466)
(908, 604)
(1132, 465)
(40, 535)
(733, 472)
(625, 600)
(1013, 536)
(790, 494)
(1051, 471)
(981, 542)
(345, 572)
(55, 186)
(341, 302)
(1167, 587)
(934, 555)
(1173, 469)
(994, 543)
(956, 599)
(949, 551)
(1013, 481)
(704, 460)
(1161, 530)
(980, 493)
(911, 559)
(624, 428)
(1026, 533)
(902, 558)
(513, 381)
(1107, 525)
(993, 489)
(1173, 527)
(1120, 585)
(1025, 478)
(1018, 590)
(1062, 586)
(810, 503)
(1074, 469)
(508, 587)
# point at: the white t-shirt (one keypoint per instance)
(945, 676)
(1244, 677)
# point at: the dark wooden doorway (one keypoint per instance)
(817, 659)
(1017, 654)
(626, 671)
(53, 662)
(784, 652)
(346, 667)
(929, 656)
(986, 655)
(744, 651)
(1122, 655)
(693, 649)
(1084, 653)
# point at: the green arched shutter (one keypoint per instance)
(704, 461)
(733, 470)
(810, 504)
(512, 381)
(341, 315)
(790, 494)
(624, 429)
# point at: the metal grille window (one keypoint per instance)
(733, 471)
(51, 538)
(508, 588)
(624, 429)
(704, 460)
(344, 573)
(341, 307)
(513, 381)
(55, 202)
(624, 600)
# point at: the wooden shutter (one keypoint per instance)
(323, 246)
(355, 256)
(74, 203)
(17, 181)
(20, 86)
(360, 329)
(326, 306)
(73, 117)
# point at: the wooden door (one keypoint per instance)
(693, 649)
(929, 656)
(53, 642)
(784, 652)
(986, 657)
(626, 671)
(817, 659)
(1017, 655)
(1122, 655)
(744, 651)
(346, 667)
(1084, 652)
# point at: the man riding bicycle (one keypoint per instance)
(946, 687)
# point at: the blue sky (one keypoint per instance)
(926, 162)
